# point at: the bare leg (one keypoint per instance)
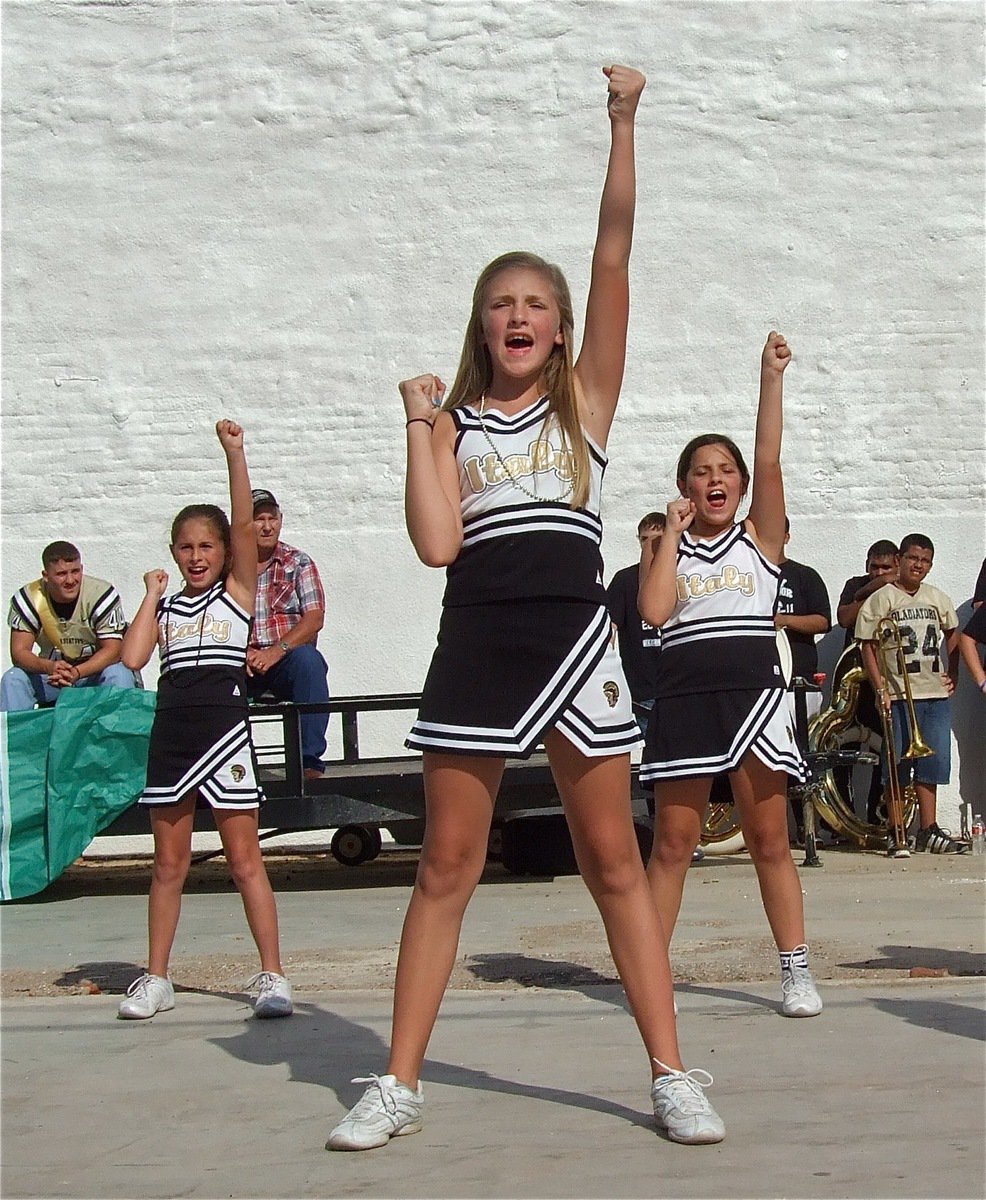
(459, 795)
(927, 794)
(238, 832)
(761, 799)
(596, 796)
(172, 829)
(680, 806)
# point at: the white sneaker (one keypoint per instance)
(800, 996)
(273, 995)
(682, 1108)
(146, 996)
(388, 1109)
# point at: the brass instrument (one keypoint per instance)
(721, 833)
(831, 732)
(890, 644)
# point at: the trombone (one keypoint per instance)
(891, 663)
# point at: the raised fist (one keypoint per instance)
(625, 86)
(156, 583)
(776, 353)
(422, 396)
(230, 434)
(681, 513)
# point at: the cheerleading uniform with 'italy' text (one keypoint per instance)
(720, 687)
(201, 733)
(524, 643)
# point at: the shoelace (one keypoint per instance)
(263, 981)
(139, 987)
(689, 1089)
(796, 979)
(386, 1095)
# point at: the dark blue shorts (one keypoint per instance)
(934, 719)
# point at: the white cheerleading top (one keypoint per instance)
(514, 546)
(721, 635)
(207, 630)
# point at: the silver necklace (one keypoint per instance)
(506, 470)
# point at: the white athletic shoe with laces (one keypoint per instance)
(387, 1109)
(147, 995)
(273, 995)
(682, 1108)
(800, 996)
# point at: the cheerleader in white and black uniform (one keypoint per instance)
(201, 733)
(503, 490)
(525, 642)
(721, 696)
(200, 741)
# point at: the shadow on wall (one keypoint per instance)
(829, 648)
(968, 724)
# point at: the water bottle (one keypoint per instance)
(978, 835)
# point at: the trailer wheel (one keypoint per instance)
(494, 844)
(355, 844)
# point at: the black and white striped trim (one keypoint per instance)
(759, 715)
(467, 418)
(102, 609)
(26, 611)
(569, 678)
(199, 775)
(544, 517)
(593, 739)
(713, 551)
(717, 627)
(200, 652)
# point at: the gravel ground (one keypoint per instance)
(867, 918)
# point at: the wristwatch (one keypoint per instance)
(284, 646)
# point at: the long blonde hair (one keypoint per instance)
(475, 373)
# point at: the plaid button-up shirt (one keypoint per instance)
(287, 588)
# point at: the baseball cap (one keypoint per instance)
(264, 499)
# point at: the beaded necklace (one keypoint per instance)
(506, 470)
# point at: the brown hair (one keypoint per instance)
(203, 512)
(712, 439)
(653, 520)
(59, 552)
(475, 373)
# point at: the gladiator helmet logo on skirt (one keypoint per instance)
(611, 691)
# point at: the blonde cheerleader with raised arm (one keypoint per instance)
(503, 490)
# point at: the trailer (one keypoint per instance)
(361, 795)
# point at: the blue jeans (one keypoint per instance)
(300, 676)
(20, 690)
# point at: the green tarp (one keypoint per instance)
(65, 774)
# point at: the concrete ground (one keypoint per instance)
(535, 1081)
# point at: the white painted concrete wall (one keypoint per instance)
(275, 209)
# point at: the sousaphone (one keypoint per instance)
(839, 793)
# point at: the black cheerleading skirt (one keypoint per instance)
(710, 732)
(200, 740)
(504, 674)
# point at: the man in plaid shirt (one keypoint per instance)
(290, 611)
